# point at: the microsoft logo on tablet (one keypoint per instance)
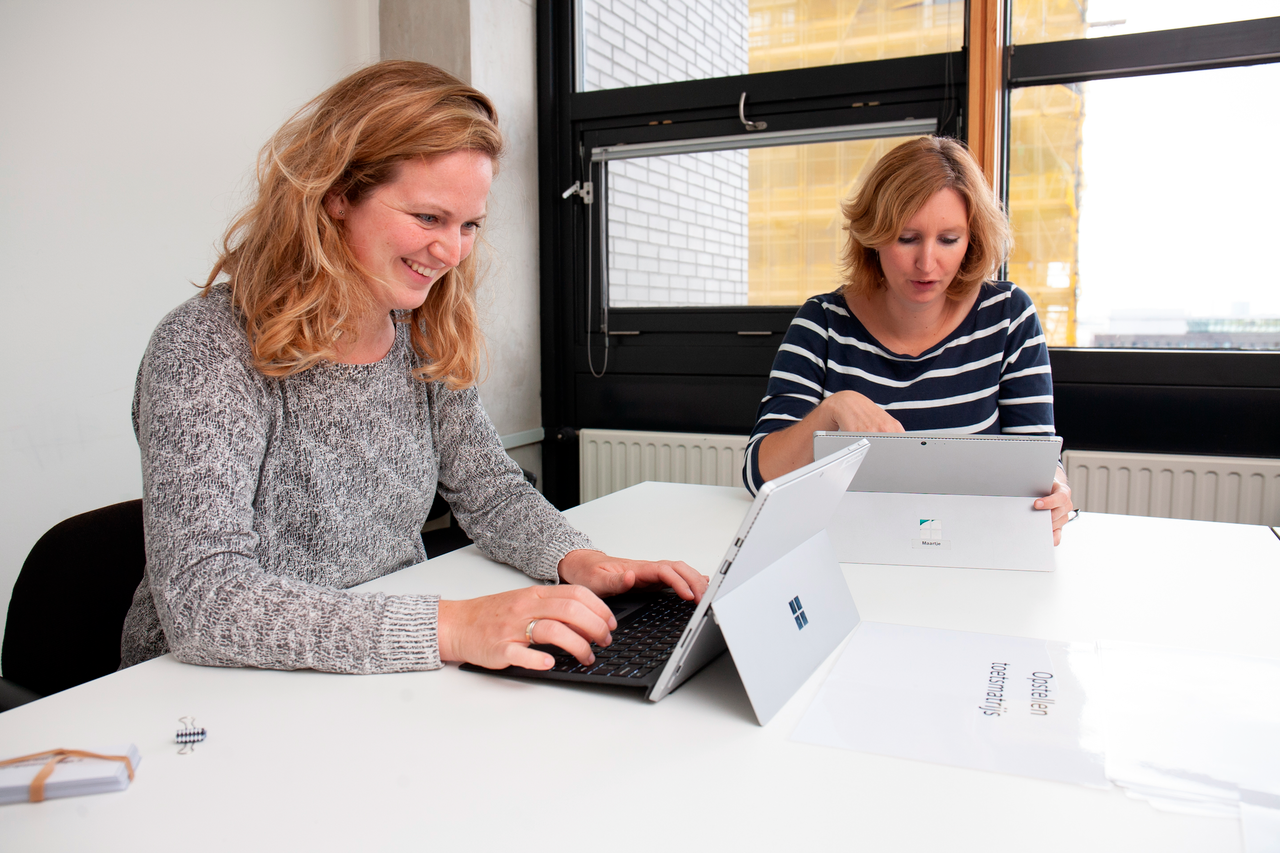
(797, 610)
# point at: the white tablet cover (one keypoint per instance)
(782, 625)
(955, 531)
(955, 501)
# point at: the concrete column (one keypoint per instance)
(491, 44)
(435, 31)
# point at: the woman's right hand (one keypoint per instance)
(853, 412)
(490, 631)
(786, 450)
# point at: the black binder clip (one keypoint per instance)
(189, 735)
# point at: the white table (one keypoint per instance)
(447, 759)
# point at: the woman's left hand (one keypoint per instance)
(605, 575)
(1059, 501)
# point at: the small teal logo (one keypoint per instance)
(797, 611)
(930, 528)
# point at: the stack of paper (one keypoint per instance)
(72, 777)
(1190, 732)
(1194, 732)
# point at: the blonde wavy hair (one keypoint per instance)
(898, 186)
(291, 272)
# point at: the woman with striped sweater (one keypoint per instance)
(918, 338)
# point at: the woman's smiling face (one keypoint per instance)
(924, 259)
(409, 232)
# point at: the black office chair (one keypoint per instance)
(442, 540)
(75, 588)
(69, 603)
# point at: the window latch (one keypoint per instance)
(742, 116)
(585, 189)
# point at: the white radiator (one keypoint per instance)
(613, 459)
(1208, 488)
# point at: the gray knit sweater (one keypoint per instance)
(264, 499)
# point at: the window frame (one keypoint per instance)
(694, 369)
(1201, 48)
(1195, 402)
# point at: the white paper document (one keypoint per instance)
(986, 701)
(1260, 827)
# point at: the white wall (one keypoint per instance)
(128, 136)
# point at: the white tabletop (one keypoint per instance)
(305, 760)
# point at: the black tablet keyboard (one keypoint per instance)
(649, 627)
(642, 642)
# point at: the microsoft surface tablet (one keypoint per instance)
(778, 601)
(958, 501)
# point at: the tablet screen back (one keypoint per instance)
(917, 463)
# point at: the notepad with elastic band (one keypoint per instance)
(67, 773)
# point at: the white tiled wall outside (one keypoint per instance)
(677, 224)
(641, 42)
(678, 230)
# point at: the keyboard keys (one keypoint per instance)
(641, 644)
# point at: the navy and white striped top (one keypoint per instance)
(991, 375)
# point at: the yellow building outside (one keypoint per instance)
(795, 192)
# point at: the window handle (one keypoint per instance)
(586, 190)
(742, 116)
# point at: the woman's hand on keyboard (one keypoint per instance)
(605, 575)
(491, 631)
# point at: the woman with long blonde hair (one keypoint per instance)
(918, 337)
(297, 417)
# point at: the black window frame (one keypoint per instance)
(704, 369)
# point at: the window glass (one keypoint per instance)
(755, 227)
(678, 230)
(1132, 230)
(1057, 20)
(642, 42)
(789, 34)
(1045, 139)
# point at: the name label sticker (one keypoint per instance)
(928, 536)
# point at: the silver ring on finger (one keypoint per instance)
(528, 631)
